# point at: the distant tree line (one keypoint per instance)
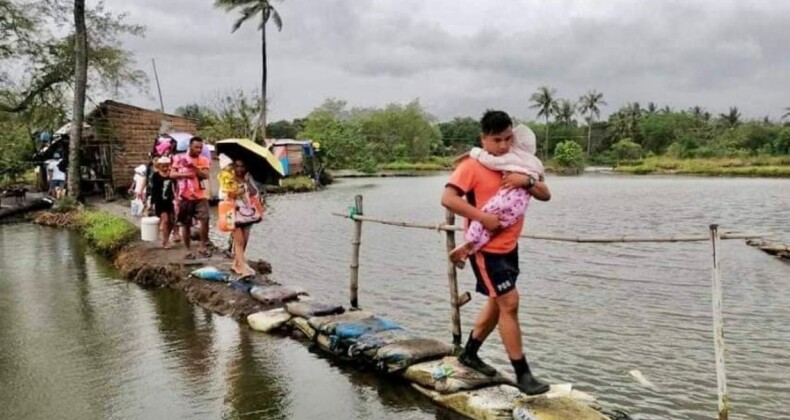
(570, 133)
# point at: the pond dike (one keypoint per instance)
(352, 336)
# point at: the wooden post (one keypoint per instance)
(452, 279)
(718, 327)
(355, 242)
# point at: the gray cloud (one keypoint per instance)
(460, 60)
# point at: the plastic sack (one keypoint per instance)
(546, 408)
(368, 344)
(271, 295)
(308, 309)
(326, 324)
(136, 207)
(402, 354)
(209, 273)
(226, 215)
(354, 329)
(267, 321)
(448, 376)
(495, 402)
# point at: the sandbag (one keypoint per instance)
(272, 295)
(351, 330)
(268, 320)
(402, 354)
(491, 403)
(448, 375)
(559, 408)
(304, 327)
(308, 309)
(368, 344)
(209, 273)
(327, 323)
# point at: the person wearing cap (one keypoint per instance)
(162, 196)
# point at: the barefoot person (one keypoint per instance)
(509, 204)
(496, 264)
(237, 186)
(162, 196)
(192, 171)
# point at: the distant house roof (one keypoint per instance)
(284, 142)
(107, 103)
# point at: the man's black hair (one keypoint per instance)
(495, 122)
(194, 139)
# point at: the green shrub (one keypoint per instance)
(569, 155)
(106, 232)
(626, 149)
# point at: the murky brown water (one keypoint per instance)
(76, 342)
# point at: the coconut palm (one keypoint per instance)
(590, 103)
(732, 118)
(786, 114)
(564, 110)
(249, 10)
(543, 100)
(651, 109)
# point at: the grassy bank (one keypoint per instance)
(760, 166)
(105, 232)
(296, 184)
(434, 163)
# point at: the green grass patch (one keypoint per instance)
(434, 165)
(300, 183)
(105, 232)
(758, 166)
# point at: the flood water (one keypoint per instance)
(77, 342)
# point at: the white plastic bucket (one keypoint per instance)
(149, 229)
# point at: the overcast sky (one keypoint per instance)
(462, 57)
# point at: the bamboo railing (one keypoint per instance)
(456, 300)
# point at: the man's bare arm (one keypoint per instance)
(452, 200)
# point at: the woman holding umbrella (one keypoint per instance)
(237, 186)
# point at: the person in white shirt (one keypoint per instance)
(57, 178)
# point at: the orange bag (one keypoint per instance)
(226, 220)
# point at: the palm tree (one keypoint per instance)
(80, 84)
(731, 118)
(250, 9)
(564, 110)
(589, 103)
(543, 100)
(786, 114)
(697, 112)
(651, 109)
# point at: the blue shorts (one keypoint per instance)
(56, 183)
(496, 274)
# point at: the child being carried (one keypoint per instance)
(509, 204)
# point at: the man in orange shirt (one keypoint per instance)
(192, 171)
(496, 264)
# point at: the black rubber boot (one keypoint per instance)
(470, 359)
(531, 386)
(473, 361)
(528, 384)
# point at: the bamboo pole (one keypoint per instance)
(455, 312)
(356, 241)
(718, 327)
(565, 238)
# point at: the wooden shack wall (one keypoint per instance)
(131, 132)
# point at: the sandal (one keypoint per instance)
(205, 253)
(189, 256)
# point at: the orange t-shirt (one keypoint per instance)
(479, 184)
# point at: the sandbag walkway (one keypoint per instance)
(354, 336)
